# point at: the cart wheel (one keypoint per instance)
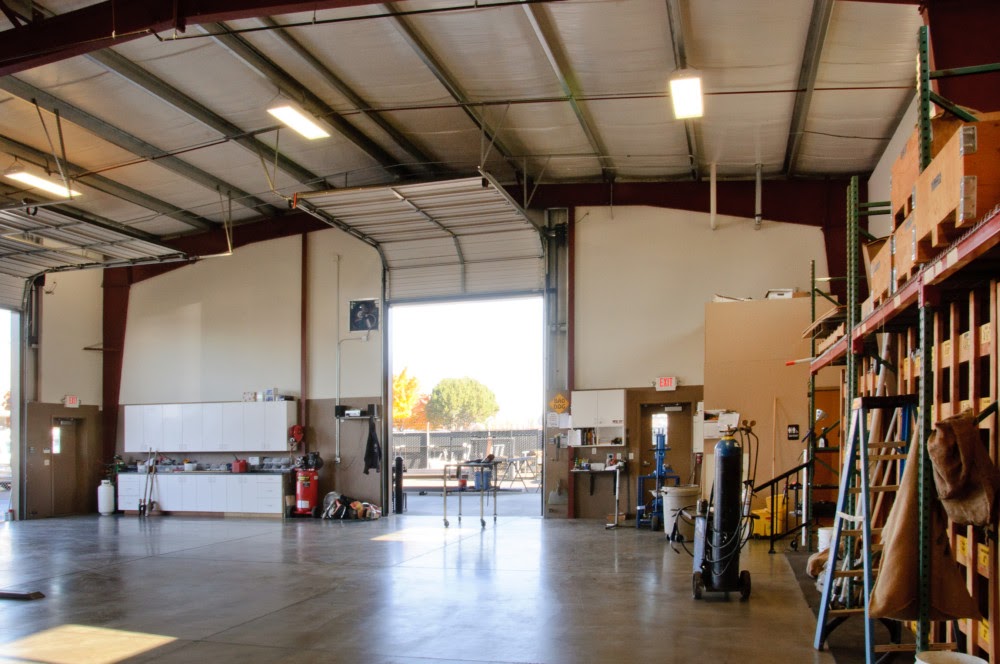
(795, 545)
(446, 524)
(697, 585)
(744, 585)
(316, 512)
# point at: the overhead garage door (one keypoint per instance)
(38, 240)
(440, 240)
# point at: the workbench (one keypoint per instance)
(617, 470)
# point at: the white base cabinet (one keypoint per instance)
(240, 493)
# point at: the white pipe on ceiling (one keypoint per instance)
(712, 197)
(757, 201)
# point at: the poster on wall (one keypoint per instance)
(364, 315)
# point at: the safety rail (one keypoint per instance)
(773, 485)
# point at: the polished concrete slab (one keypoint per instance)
(403, 589)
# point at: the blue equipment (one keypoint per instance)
(651, 513)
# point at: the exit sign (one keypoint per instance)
(666, 383)
(71, 401)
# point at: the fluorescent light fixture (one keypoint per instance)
(685, 93)
(17, 172)
(298, 120)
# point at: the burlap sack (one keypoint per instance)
(895, 591)
(966, 478)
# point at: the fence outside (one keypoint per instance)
(421, 450)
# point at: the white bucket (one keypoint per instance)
(823, 538)
(676, 498)
(945, 657)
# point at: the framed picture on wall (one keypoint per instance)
(364, 315)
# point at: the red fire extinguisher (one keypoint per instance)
(307, 492)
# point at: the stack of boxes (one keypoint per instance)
(931, 208)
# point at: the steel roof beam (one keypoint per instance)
(343, 88)
(819, 25)
(132, 144)
(445, 78)
(311, 102)
(161, 89)
(680, 61)
(111, 22)
(106, 185)
(546, 35)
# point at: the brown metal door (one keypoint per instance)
(38, 479)
(55, 472)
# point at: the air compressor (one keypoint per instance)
(722, 527)
(307, 485)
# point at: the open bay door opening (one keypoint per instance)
(440, 240)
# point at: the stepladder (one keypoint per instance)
(872, 462)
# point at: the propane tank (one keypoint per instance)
(106, 498)
(724, 543)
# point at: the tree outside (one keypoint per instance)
(458, 403)
(405, 396)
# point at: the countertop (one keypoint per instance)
(163, 471)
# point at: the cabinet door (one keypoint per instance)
(191, 427)
(248, 493)
(611, 408)
(152, 426)
(584, 406)
(234, 493)
(172, 428)
(166, 491)
(232, 427)
(278, 419)
(253, 424)
(216, 493)
(211, 427)
(134, 440)
(188, 492)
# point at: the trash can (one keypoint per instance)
(676, 498)
(483, 478)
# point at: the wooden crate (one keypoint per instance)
(881, 282)
(909, 254)
(906, 167)
(961, 184)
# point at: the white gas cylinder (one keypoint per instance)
(106, 498)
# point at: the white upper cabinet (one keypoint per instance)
(251, 426)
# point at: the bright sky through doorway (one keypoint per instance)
(497, 342)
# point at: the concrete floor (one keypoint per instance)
(403, 589)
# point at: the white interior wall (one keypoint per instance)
(643, 276)
(217, 328)
(71, 319)
(878, 182)
(360, 279)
